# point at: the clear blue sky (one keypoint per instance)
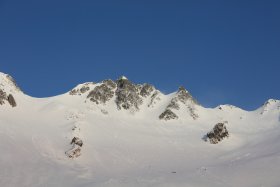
(221, 51)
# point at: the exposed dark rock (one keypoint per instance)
(3, 97)
(12, 101)
(127, 95)
(101, 94)
(154, 98)
(168, 115)
(146, 90)
(9, 98)
(183, 95)
(77, 141)
(218, 133)
(73, 92)
(75, 151)
(174, 104)
(192, 113)
(111, 84)
(84, 89)
(79, 91)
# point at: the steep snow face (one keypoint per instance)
(269, 106)
(182, 102)
(8, 90)
(8, 84)
(82, 138)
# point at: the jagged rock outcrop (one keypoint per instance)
(110, 83)
(75, 151)
(146, 90)
(12, 101)
(168, 115)
(154, 99)
(127, 95)
(130, 96)
(77, 141)
(183, 97)
(10, 98)
(218, 133)
(3, 97)
(79, 91)
(102, 93)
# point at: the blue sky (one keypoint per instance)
(221, 51)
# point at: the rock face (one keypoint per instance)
(154, 99)
(182, 98)
(102, 93)
(77, 141)
(218, 133)
(146, 90)
(79, 91)
(12, 101)
(75, 151)
(168, 115)
(3, 97)
(127, 95)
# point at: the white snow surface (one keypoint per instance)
(135, 150)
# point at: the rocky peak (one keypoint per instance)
(8, 83)
(123, 78)
(103, 92)
(124, 83)
(81, 88)
(183, 95)
(147, 90)
(182, 99)
(269, 105)
(127, 95)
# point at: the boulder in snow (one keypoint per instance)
(218, 133)
(75, 151)
(12, 101)
(77, 141)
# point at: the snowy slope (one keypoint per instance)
(125, 143)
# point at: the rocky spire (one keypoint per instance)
(127, 95)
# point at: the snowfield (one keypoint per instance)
(134, 148)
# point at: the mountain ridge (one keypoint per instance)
(8, 83)
(109, 134)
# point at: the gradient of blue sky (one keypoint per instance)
(221, 51)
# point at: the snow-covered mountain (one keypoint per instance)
(118, 133)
